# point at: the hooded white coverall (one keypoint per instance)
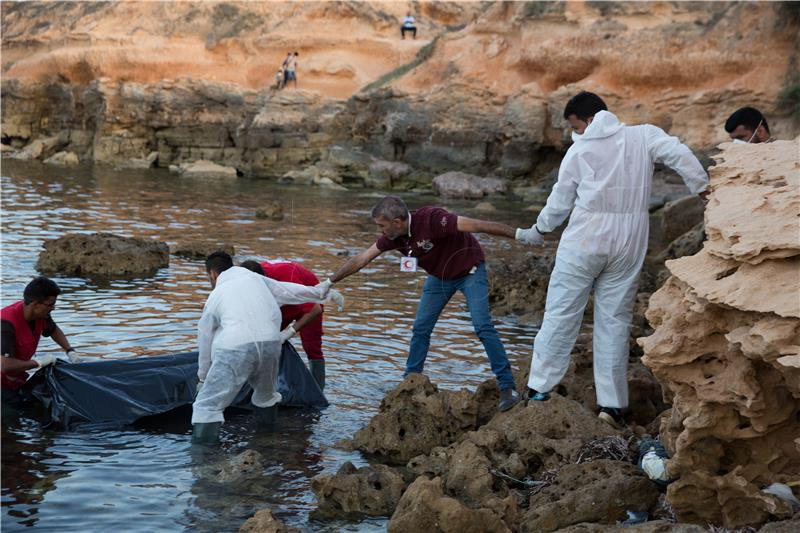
(604, 180)
(238, 338)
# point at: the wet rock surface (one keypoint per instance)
(264, 521)
(727, 326)
(354, 492)
(102, 254)
(247, 465)
(270, 211)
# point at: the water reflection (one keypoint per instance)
(145, 478)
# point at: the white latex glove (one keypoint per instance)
(530, 236)
(200, 384)
(73, 356)
(44, 360)
(337, 297)
(287, 334)
(325, 287)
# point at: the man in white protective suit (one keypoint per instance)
(239, 341)
(604, 182)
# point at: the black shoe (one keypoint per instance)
(612, 416)
(508, 399)
(537, 396)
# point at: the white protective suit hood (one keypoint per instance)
(604, 124)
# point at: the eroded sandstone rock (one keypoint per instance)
(726, 344)
(102, 254)
(351, 492)
(425, 507)
(416, 417)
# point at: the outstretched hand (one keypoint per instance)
(530, 236)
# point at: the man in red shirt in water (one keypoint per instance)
(305, 319)
(23, 324)
(442, 244)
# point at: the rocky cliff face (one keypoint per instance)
(726, 344)
(480, 90)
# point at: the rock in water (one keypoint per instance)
(201, 250)
(264, 521)
(271, 211)
(102, 254)
(370, 490)
(462, 185)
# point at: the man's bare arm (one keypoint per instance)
(303, 321)
(356, 263)
(474, 225)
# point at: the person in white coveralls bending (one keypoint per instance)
(239, 341)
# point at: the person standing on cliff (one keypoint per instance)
(603, 187)
(748, 125)
(290, 69)
(305, 319)
(442, 244)
(408, 25)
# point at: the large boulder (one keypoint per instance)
(462, 185)
(102, 254)
(724, 346)
(351, 492)
(598, 491)
(425, 507)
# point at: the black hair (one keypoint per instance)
(218, 262)
(253, 266)
(390, 208)
(584, 105)
(749, 117)
(40, 289)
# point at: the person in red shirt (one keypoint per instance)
(305, 319)
(23, 323)
(442, 244)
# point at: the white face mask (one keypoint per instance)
(753, 136)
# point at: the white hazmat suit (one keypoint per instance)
(604, 180)
(239, 340)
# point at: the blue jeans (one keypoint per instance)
(435, 294)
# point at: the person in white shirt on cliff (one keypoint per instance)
(604, 188)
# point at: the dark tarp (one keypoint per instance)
(114, 393)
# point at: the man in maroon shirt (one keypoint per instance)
(305, 319)
(440, 243)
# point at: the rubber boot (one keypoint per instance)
(206, 433)
(317, 367)
(267, 416)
